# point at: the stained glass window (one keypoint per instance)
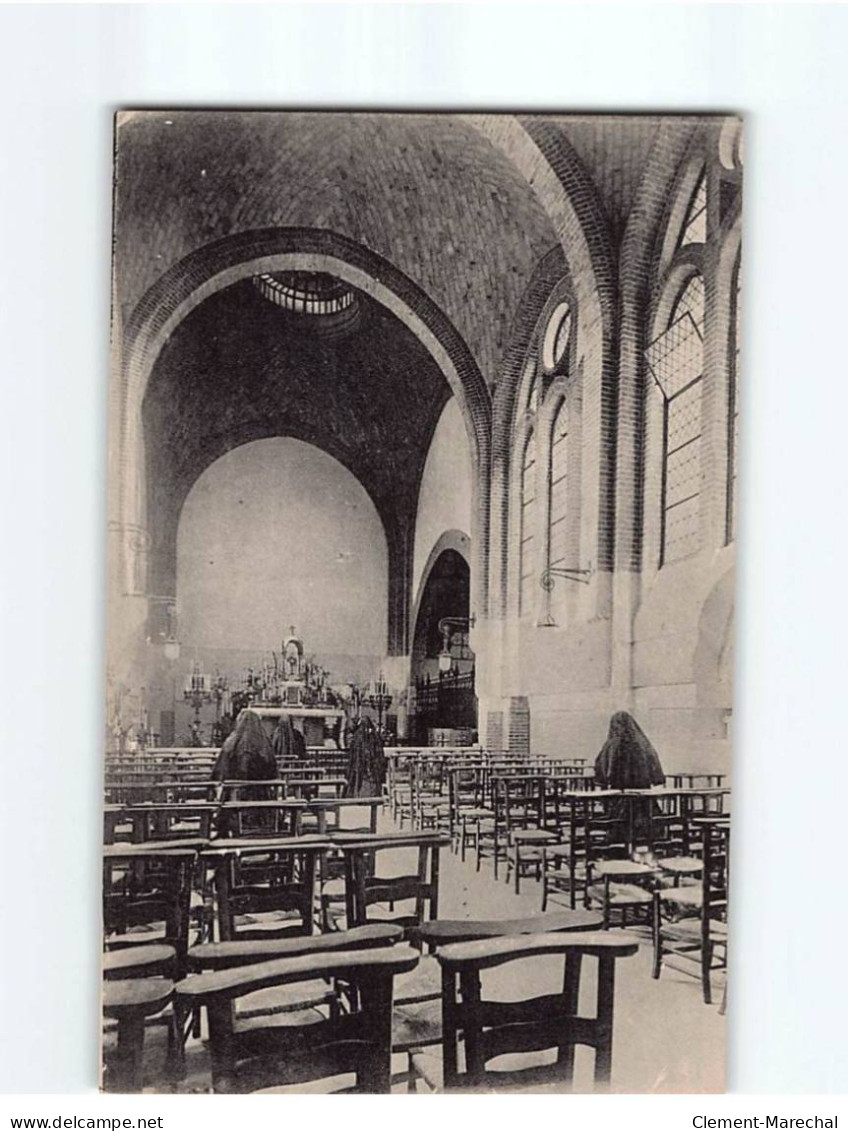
(559, 487)
(695, 225)
(676, 360)
(528, 520)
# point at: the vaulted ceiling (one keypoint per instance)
(428, 193)
(239, 368)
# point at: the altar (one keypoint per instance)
(299, 689)
(320, 726)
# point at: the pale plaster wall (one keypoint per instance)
(444, 501)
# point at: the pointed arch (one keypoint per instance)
(218, 265)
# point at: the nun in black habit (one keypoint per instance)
(628, 760)
(289, 743)
(284, 740)
(247, 755)
(366, 767)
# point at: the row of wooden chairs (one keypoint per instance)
(163, 785)
(349, 1047)
(158, 902)
(426, 793)
(348, 1038)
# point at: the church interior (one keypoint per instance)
(423, 493)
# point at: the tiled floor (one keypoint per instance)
(666, 1039)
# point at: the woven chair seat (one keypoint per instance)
(682, 865)
(686, 897)
(623, 895)
(441, 808)
(333, 889)
(529, 836)
(424, 981)
(416, 1026)
(282, 1001)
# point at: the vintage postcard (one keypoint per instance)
(423, 485)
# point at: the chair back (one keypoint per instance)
(259, 880)
(519, 800)
(466, 788)
(364, 887)
(356, 1042)
(255, 814)
(144, 890)
(716, 855)
(476, 1029)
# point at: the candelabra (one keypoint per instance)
(197, 692)
(379, 699)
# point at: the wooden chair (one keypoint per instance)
(261, 818)
(265, 889)
(690, 920)
(511, 804)
(622, 887)
(430, 800)
(131, 1002)
(247, 1056)
(520, 807)
(307, 996)
(477, 1030)
(146, 901)
(400, 786)
(418, 1017)
(147, 919)
(595, 831)
(364, 887)
(470, 811)
(668, 825)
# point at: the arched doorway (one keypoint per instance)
(442, 696)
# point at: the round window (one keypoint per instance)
(556, 337)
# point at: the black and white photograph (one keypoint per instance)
(423, 474)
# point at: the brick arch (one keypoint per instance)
(548, 275)
(641, 252)
(582, 194)
(450, 540)
(225, 261)
(686, 265)
(564, 188)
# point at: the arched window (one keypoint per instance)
(555, 341)
(558, 478)
(676, 360)
(733, 413)
(695, 225)
(528, 522)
